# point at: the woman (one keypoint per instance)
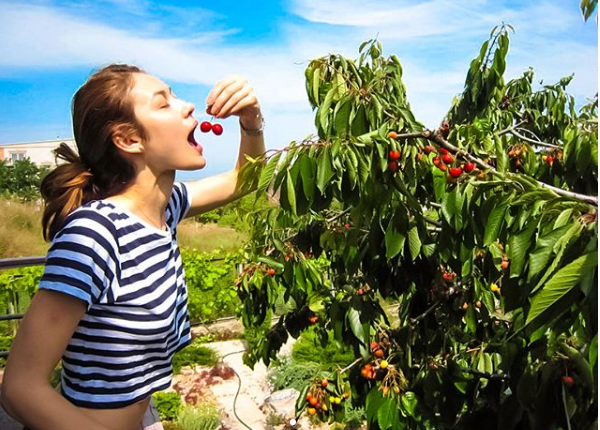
(112, 301)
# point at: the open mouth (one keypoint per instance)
(192, 139)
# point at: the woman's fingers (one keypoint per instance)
(224, 99)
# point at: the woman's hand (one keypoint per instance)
(233, 95)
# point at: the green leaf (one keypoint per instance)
(291, 193)
(387, 415)
(316, 83)
(518, 246)
(409, 403)
(308, 172)
(353, 318)
(324, 170)
(560, 284)
(593, 352)
(324, 111)
(394, 241)
(342, 117)
(414, 242)
(268, 173)
(270, 262)
(373, 404)
(494, 222)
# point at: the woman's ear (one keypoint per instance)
(127, 141)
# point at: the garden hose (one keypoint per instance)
(238, 390)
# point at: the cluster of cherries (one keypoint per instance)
(207, 126)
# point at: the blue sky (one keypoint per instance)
(48, 48)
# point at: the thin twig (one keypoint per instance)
(341, 214)
(351, 365)
(533, 141)
(511, 128)
(414, 321)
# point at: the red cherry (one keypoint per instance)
(394, 155)
(393, 166)
(469, 167)
(436, 161)
(568, 381)
(443, 151)
(217, 129)
(549, 160)
(205, 127)
(428, 149)
(455, 172)
(447, 158)
(271, 272)
(360, 292)
(324, 383)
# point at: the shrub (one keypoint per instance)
(326, 351)
(204, 416)
(167, 404)
(194, 355)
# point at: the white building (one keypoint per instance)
(40, 153)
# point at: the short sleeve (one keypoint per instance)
(178, 205)
(82, 259)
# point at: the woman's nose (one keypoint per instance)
(188, 108)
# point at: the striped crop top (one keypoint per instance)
(130, 274)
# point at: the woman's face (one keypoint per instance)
(169, 126)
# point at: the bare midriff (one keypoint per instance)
(127, 418)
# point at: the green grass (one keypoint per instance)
(21, 229)
(192, 355)
(203, 416)
(21, 232)
(209, 237)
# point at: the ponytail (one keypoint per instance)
(65, 189)
(100, 108)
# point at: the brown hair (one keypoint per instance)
(100, 109)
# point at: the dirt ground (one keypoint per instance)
(253, 384)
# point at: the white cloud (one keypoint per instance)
(435, 40)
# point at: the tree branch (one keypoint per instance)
(437, 138)
(414, 321)
(533, 141)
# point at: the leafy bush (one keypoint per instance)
(203, 416)
(192, 355)
(309, 348)
(22, 179)
(288, 374)
(211, 284)
(167, 404)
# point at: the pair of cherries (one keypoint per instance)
(206, 126)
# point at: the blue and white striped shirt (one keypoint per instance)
(130, 274)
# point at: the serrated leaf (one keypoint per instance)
(308, 172)
(394, 241)
(316, 84)
(387, 415)
(341, 119)
(414, 242)
(268, 173)
(291, 193)
(373, 404)
(493, 224)
(324, 170)
(518, 245)
(560, 284)
(353, 318)
(324, 109)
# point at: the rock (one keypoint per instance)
(283, 402)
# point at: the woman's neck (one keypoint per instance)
(148, 197)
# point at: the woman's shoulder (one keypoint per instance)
(96, 216)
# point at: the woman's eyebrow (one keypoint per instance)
(163, 93)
